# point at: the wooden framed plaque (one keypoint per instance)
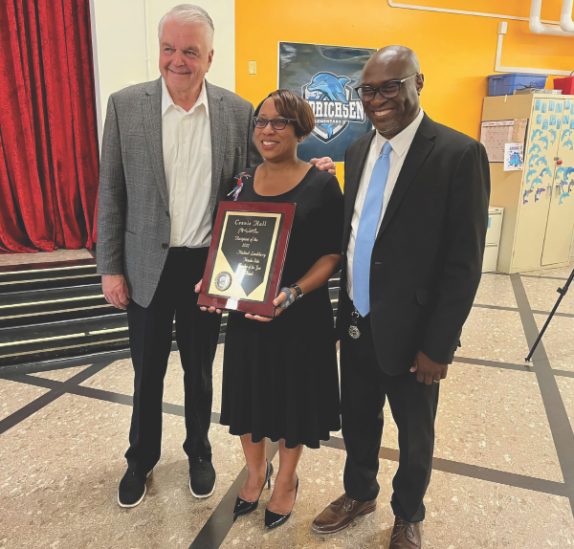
(246, 256)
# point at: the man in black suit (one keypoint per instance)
(416, 210)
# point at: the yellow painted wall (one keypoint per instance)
(457, 52)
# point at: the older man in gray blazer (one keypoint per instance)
(169, 146)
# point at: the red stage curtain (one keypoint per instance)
(48, 136)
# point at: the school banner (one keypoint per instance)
(325, 76)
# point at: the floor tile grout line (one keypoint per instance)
(44, 400)
(556, 414)
(31, 408)
(101, 394)
(558, 314)
(41, 366)
(526, 367)
(496, 476)
(85, 374)
(493, 364)
(495, 307)
(516, 310)
(28, 379)
(544, 277)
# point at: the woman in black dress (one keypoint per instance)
(280, 375)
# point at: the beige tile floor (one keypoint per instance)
(502, 478)
(62, 374)
(15, 396)
(501, 336)
(559, 340)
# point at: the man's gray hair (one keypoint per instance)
(187, 13)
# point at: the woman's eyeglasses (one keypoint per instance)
(276, 123)
(388, 90)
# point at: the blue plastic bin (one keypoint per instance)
(505, 84)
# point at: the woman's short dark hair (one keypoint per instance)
(291, 105)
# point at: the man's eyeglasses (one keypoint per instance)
(276, 123)
(388, 90)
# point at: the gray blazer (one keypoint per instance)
(133, 228)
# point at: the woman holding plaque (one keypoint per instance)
(280, 376)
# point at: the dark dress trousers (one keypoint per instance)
(425, 269)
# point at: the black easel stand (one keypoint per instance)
(562, 292)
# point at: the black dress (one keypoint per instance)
(280, 378)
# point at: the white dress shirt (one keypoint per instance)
(400, 144)
(186, 140)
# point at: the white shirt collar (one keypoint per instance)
(402, 141)
(167, 101)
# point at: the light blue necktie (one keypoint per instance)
(367, 231)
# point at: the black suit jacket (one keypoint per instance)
(427, 258)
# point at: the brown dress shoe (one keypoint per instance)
(340, 513)
(406, 535)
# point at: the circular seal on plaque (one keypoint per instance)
(223, 281)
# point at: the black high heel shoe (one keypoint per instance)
(242, 506)
(273, 520)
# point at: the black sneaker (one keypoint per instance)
(132, 488)
(201, 477)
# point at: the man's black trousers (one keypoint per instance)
(364, 390)
(150, 330)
